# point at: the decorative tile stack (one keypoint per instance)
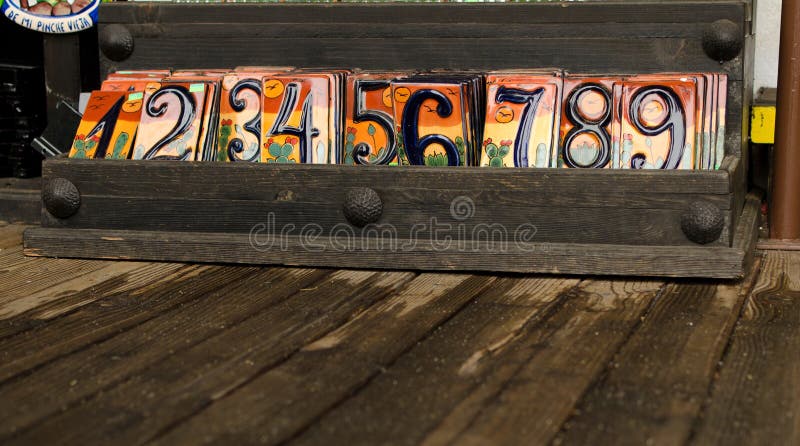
(512, 118)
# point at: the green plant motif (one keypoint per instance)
(659, 162)
(379, 155)
(627, 151)
(349, 145)
(584, 153)
(436, 160)
(119, 145)
(496, 153)
(321, 152)
(462, 150)
(401, 149)
(686, 159)
(371, 133)
(138, 152)
(541, 155)
(280, 153)
(720, 149)
(82, 146)
(224, 138)
(180, 145)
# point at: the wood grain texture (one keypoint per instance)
(745, 236)
(185, 354)
(584, 12)
(578, 206)
(483, 221)
(737, 176)
(26, 288)
(315, 183)
(20, 200)
(135, 282)
(108, 308)
(135, 348)
(488, 357)
(301, 221)
(210, 369)
(219, 365)
(285, 399)
(654, 387)
(575, 54)
(553, 258)
(756, 399)
(10, 236)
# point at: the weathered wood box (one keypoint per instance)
(573, 221)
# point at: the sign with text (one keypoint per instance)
(52, 16)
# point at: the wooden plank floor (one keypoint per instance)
(100, 352)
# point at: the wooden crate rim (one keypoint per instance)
(718, 174)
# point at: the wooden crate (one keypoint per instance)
(578, 221)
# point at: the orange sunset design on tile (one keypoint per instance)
(108, 125)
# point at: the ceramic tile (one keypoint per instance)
(210, 121)
(264, 68)
(436, 120)
(138, 74)
(108, 125)
(521, 124)
(337, 79)
(296, 119)
(588, 121)
(370, 136)
(239, 137)
(657, 129)
(148, 84)
(664, 120)
(722, 96)
(171, 123)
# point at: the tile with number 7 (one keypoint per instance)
(522, 118)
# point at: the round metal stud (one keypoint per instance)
(362, 206)
(722, 40)
(116, 42)
(702, 222)
(61, 198)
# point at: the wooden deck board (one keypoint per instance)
(168, 392)
(410, 402)
(756, 399)
(529, 404)
(121, 308)
(436, 391)
(656, 384)
(101, 352)
(287, 398)
(188, 321)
